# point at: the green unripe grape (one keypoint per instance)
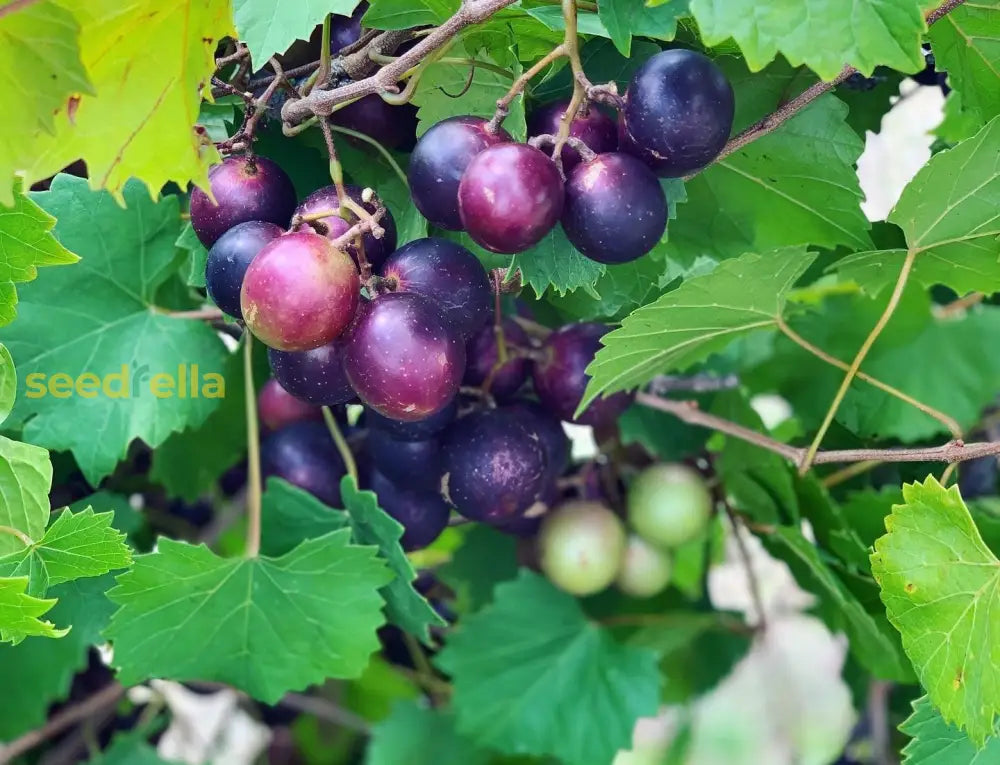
(645, 569)
(581, 546)
(669, 505)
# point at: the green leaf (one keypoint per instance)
(197, 255)
(8, 383)
(699, 318)
(218, 117)
(371, 525)
(20, 613)
(465, 573)
(413, 735)
(110, 332)
(291, 515)
(26, 242)
(75, 546)
(825, 35)
(129, 748)
(404, 14)
(271, 26)
(966, 44)
(25, 478)
(624, 18)
(555, 263)
(186, 613)
(939, 584)
(522, 661)
(602, 62)
(935, 742)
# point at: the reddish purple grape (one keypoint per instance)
(591, 125)
(403, 358)
(299, 292)
(346, 30)
(316, 376)
(494, 468)
(678, 113)
(412, 464)
(481, 357)
(416, 430)
(277, 408)
(615, 209)
(244, 190)
(304, 455)
(560, 376)
(510, 197)
(229, 259)
(447, 274)
(325, 199)
(438, 161)
(423, 514)
(395, 127)
(549, 430)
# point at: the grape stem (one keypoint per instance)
(323, 73)
(503, 104)
(11, 531)
(254, 488)
(342, 447)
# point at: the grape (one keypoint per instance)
(591, 125)
(438, 161)
(316, 376)
(277, 408)
(423, 514)
(549, 431)
(447, 274)
(581, 546)
(346, 30)
(645, 569)
(678, 112)
(415, 430)
(560, 376)
(669, 505)
(978, 477)
(412, 464)
(229, 259)
(325, 199)
(494, 468)
(244, 190)
(530, 521)
(299, 292)
(510, 197)
(615, 209)
(395, 127)
(481, 357)
(403, 358)
(304, 455)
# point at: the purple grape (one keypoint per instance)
(325, 199)
(277, 408)
(316, 376)
(615, 209)
(229, 259)
(447, 274)
(560, 377)
(395, 127)
(481, 357)
(416, 430)
(403, 358)
(423, 514)
(244, 190)
(415, 465)
(438, 161)
(510, 197)
(592, 126)
(549, 430)
(346, 30)
(304, 455)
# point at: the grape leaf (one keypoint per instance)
(197, 256)
(825, 35)
(271, 26)
(110, 328)
(624, 18)
(465, 573)
(26, 242)
(521, 662)
(966, 44)
(404, 14)
(371, 525)
(75, 546)
(185, 613)
(935, 742)
(602, 62)
(699, 318)
(8, 383)
(413, 735)
(20, 613)
(291, 515)
(25, 478)
(154, 99)
(129, 748)
(939, 583)
(556, 263)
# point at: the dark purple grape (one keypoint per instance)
(325, 199)
(527, 524)
(416, 430)
(403, 358)
(414, 465)
(395, 127)
(423, 514)
(494, 468)
(438, 161)
(678, 112)
(978, 478)
(510, 197)
(591, 125)
(547, 427)
(304, 455)
(615, 209)
(299, 292)
(481, 357)
(244, 190)
(346, 30)
(560, 376)
(316, 376)
(229, 259)
(447, 274)
(277, 408)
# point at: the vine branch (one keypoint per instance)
(254, 488)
